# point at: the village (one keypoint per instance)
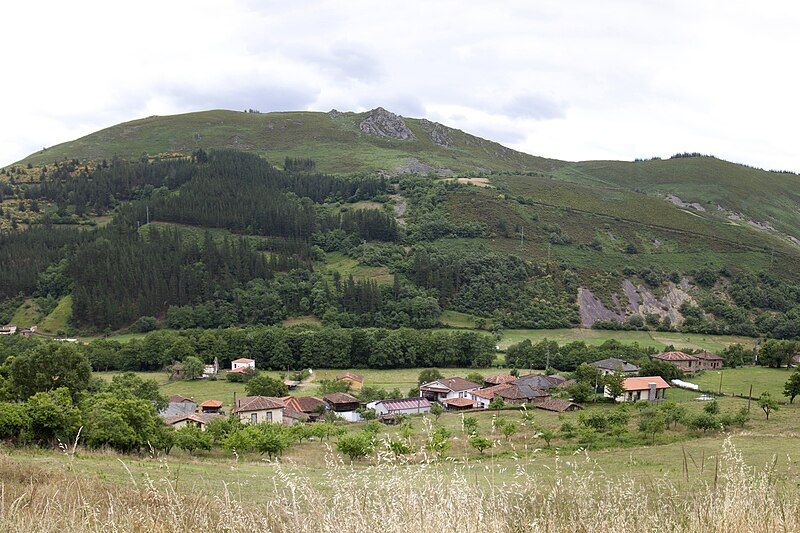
(449, 394)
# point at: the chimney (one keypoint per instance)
(653, 392)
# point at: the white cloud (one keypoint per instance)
(572, 80)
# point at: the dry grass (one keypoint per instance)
(427, 497)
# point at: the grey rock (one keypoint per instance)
(437, 133)
(382, 123)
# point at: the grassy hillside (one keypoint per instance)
(762, 196)
(333, 140)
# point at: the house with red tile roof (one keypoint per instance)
(648, 388)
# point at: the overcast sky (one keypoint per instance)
(568, 79)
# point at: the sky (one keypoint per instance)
(572, 80)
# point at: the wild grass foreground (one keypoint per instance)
(401, 498)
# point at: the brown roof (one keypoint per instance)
(499, 379)
(340, 397)
(634, 384)
(458, 402)
(214, 404)
(177, 398)
(565, 384)
(674, 356)
(490, 392)
(289, 412)
(522, 392)
(557, 404)
(257, 403)
(304, 404)
(454, 384)
(243, 360)
(708, 356)
(351, 375)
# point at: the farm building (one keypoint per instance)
(355, 381)
(447, 388)
(687, 363)
(178, 405)
(522, 393)
(558, 405)
(612, 365)
(8, 329)
(650, 388)
(403, 406)
(259, 409)
(211, 406)
(343, 405)
(539, 381)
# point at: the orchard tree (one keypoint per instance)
(356, 445)
(480, 443)
(767, 403)
(792, 387)
(190, 439)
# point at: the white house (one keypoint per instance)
(8, 329)
(447, 389)
(242, 364)
(649, 389)
(403, 406)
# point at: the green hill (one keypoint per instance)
(604, 240)
(336, 141)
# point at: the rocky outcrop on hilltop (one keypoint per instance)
(382, 123)
(437, 133)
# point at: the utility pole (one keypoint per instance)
(148, 213)
(720, 382)
(522, 237)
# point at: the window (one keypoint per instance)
(269, 416)
(254, 418)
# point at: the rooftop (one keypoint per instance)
(558, 405)
(340, 397)
(257, 403)
(455, 384)
(643, 383)
(458, 402)
(674, 356)
(617, 365)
